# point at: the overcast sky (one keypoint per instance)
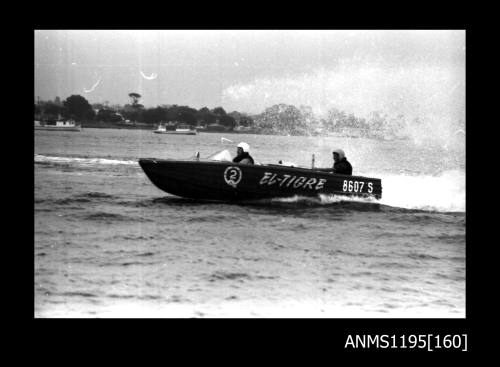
(248, 70)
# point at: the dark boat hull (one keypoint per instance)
(58, 128)
(229, 181)
(173, 132)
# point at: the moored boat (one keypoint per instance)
(180, 129)
(218, 178)
(57, 125)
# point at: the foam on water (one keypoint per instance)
(324, 199)
(444, 193)
(85, 161)
(426, 99)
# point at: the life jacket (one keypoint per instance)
(245, 155)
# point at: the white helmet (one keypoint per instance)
(244, 146)
(340, 152)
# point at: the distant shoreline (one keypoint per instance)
(110, 125)
(113, 125)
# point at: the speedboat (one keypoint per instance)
(57, 125)
(218, 178)
(181, 129)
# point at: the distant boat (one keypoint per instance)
(180, 130)
(215, 128)
(57, 125)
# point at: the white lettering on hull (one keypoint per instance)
(293, 181)
(356, 186)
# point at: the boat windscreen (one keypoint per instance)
(222, 155)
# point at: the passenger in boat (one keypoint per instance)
(340, 163)
(243, 154)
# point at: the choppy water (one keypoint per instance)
(108, 243)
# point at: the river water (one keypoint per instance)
(108, 243)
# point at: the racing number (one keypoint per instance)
(233, 175)
(356, 186)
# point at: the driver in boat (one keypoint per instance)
(340, 164)
(243, 154)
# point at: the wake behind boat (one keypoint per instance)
(218, 178)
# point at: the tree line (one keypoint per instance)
(277, 119)
(290, 120)
(79, 109)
